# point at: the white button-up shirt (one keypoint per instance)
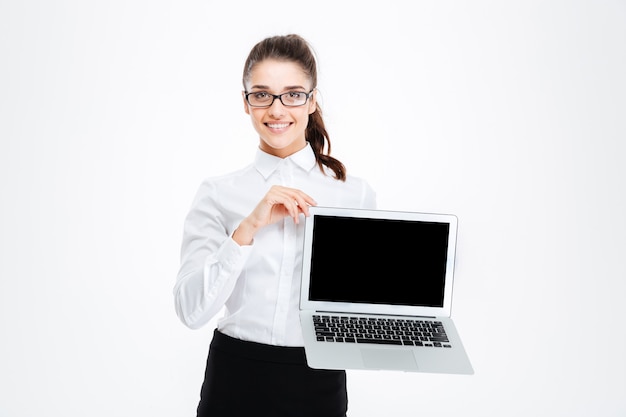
(258, 284)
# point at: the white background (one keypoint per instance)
(509, 114)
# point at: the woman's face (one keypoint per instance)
(281, 128)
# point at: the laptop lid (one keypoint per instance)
(378, 262)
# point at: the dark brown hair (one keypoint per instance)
(294, 48)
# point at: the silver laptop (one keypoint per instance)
(377, 291)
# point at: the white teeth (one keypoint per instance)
(277, 125)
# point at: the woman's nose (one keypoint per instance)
(276, 108)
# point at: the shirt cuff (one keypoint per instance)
(231, 254)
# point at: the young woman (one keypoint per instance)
(242, 246)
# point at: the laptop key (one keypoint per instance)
(380, 341)
(439, 339)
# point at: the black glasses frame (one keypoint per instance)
(279, 97)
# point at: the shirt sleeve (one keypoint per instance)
(211, 261)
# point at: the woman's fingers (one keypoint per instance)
(278, 203)
(292, 200)
(303, 202)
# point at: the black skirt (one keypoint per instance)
(253, 379)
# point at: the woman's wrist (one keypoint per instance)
(244, 234)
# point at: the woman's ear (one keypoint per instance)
(313, 101)
(246, 108)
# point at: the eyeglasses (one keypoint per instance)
(289, 99)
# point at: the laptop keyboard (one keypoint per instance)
(386, 331)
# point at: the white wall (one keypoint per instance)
(510, 114)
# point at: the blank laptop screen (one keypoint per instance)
(378, 261)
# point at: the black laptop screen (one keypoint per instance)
(378, 261)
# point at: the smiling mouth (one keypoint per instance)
(277, 125)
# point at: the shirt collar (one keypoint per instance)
(266, 164)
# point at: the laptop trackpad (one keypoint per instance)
(388, 359)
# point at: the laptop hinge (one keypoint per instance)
(370, 314)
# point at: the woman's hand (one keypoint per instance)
(278, 203)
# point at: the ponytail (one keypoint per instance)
(317, 136)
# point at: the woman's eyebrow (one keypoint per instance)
(289, 87)
(294, 87)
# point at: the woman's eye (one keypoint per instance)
(295, 95)
(261, 95)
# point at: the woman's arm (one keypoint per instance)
(210, 261)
